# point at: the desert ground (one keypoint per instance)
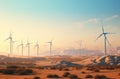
(60, 67)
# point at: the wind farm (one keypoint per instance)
(84, 62)
(85, 45)
(37, 48)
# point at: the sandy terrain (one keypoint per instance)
(43, 74)
(43, 67)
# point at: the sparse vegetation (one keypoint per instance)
(108, 67)
(58, 71)
(73, 76)
(36, 77)
(101, 77)
(63, 68)
(9, 71)
(1, 70)
(16, 71)
(89, 76)
(12, 67)
(96, 70)
(25, 72)
(83, 72)
(52, 76)
(66, 69)
(118, 74)
(66, 74)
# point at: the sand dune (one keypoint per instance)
(102, 60)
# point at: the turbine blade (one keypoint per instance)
(20, 44)
(102, 28)
(99, 36)
(108, 41)
(47, 42)
(110, 33)
(110, 45)
(14, 41)
(8, 38)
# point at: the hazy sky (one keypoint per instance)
(65, 21)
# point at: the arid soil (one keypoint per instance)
(82, 72)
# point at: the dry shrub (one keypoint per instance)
(96, 70)
(53, 68)
(40, 67)
(117, 67)
(18, 71)
(1, 70)
(83, 72)
(108, 67)
(101, 77)
(73, 76)
(36, 77)
(118, 74)
(8, 71)
(63, 69)
(60, 68)
(89, 76)
(52, 76)
(25, 72)
(66, 74)
(13, 67)
(66, 69)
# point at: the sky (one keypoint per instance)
(66, 22)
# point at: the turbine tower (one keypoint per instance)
(21, 47)
(11, 42)
(37, 48)
(81, 46)
(50, 46)
(105, 39)
(28, 45)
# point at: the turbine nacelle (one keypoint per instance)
(21, 44)
(103, 34)
(36, 45)
(50, 42)
(28, 43)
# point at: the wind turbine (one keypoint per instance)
(37, 48)
(105, 39)
(81, 46)
(28, 45)
(21, 47)
(51, 42)
(11, 42)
